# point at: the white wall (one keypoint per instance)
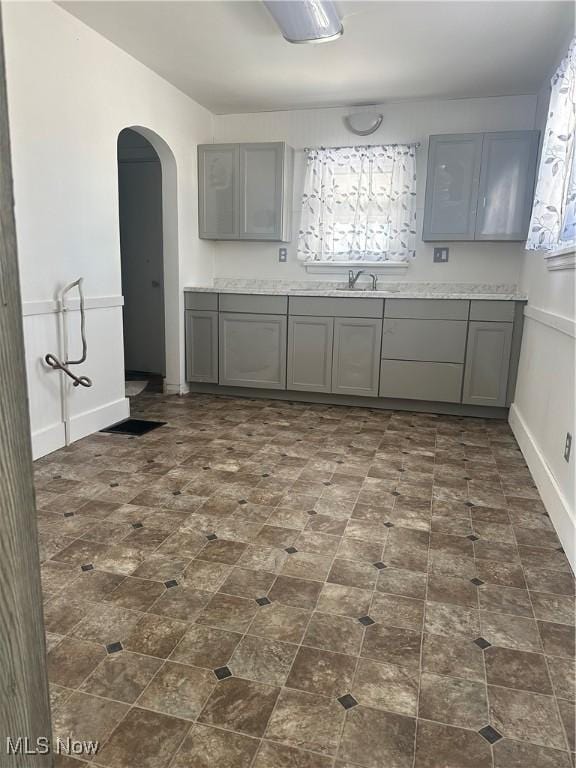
(543, 410)
(403, 122)
(70, 93)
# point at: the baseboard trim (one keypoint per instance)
(92, 421)
(48, 440)
(176, 389)
(553, 499)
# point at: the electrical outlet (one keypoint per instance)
(567, 446)
(441, 255)
(282, 254)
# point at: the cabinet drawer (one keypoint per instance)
(202, 301)
(495, 311)
(410, 380)
(328, 306)
(440, 341)
(244, 302)
(427, 309)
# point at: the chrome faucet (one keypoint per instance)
(353, 279)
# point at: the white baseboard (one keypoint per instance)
(47, 440)
(91, 421)
(556, 504)
(176, 389)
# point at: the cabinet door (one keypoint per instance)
(452, 187)
(218, 191)
(261, 180)
(201, 346)
(356, 358)
(252, 350)
(310, 353)
(487, 363)
(506, 185)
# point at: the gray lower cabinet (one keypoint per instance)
(487, 363)
(440, 341)
(201, 346)
(414, 380)
(356, 356)
(310, 353)
(252, 350)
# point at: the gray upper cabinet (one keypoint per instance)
(487, 363)
(356, 358)
(310, 353)
(479, 186)
(506, 185)
(245, 191)
(252, 350)
(452, 186)
(202, 346)
(218, 191)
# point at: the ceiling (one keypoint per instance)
(230, 56)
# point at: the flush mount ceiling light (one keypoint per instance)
(306, 21)
(363, 123)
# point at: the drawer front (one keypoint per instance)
(243, 302)
(409, 380)
(328, 306)
(495, 311)
(200, 300)
(441, 341)
(427, 309)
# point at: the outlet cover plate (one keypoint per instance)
(282, 254)
(568, 446)
(441, 255)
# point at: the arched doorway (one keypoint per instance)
(149, 256)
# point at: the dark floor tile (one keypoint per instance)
(442, 746)
(86, 718)
(298, 593)
(204, 576)
(386, 686)
(306, 721)
(372, 739)
(547, 559)
(517, 754)
(568, 717)
(447, 589)
(517, 669)
(137, 594)
(271, 755)
(122, 676)
(392, 645)
(556, 608)
(181, 602)
(240, 705)
(353, 574)
(247, 583)
(397, 581)
(454, 657)
(280, 622)
(549, 581)
(144, 739)
(500, 573)
(206, 747)
(498, 599)
(93, 586)
(222, 551)
(334, 633)
(526, 716)
(304, 565)
(557, 639)
(206, 647)
(451, 620)
(360, 550)
(322, 672)
(563, 675)
(453, 701)
(397, 611)
(266, 661)
(72, 660)
(178, 690)
(510, 631)
(228, 612)
(344, 601)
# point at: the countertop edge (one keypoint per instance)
(316, 292)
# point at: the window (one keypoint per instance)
(553, 224)
(359, 205)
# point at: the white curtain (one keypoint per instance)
(553, 223)
(359, 204)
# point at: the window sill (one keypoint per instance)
(562, 258)
(317, 267)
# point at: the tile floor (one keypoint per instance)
(271, 585)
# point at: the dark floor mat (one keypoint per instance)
(133, 427)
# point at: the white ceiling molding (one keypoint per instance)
(563, 258)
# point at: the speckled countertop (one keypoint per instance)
(397, 290)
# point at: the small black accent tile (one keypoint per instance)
(242, 501)
(291, 550)
(211, 536)
(176, 493)
(265, 474)
(490, 734)
(137, 525)
(348, 701)
(114, 647)
(395, 493)
(170, 583)
(326, 483)
(389, 525)
(150, 461)
(380, 565)
(482, 643)
(472, 537)
(68, 514)
(113, 485)
(312, 512)
(134, 427)
(263, 601)
(222, 673)
(87, 567)
(205, 467)
(56, 477)
(468, 504)
(477, 582)
(366, 621)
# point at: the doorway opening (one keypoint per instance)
(140, 201)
